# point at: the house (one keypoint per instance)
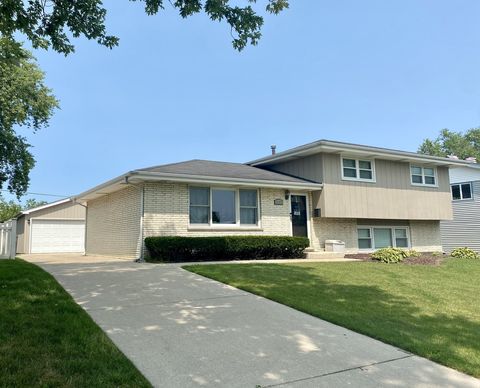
(464, 229)
(368, 197)
(56, 227)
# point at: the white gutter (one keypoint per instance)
(46, 206)
(327, 145)
(152, 176)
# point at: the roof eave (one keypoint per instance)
(373, 152)
(151, 176)
(144, 176)
(46, 206)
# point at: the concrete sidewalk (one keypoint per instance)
(183, 330)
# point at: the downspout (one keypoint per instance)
(74, 200)
(141, 187)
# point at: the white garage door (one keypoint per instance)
(49, 236)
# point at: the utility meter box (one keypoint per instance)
(334, 246)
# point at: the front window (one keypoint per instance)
(248, 207)
(223, 206)
(199, 205)
(461, 191)
(356, 169)
(382, 237)
(423, 176)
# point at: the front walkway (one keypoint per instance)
(182, 330)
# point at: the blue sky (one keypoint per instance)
(382, 73)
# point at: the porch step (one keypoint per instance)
(325, 255)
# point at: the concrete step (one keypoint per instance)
(325, 255)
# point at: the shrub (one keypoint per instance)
(413, 253)
(176, 249)
(390, 255)
(465, 253)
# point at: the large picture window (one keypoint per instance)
(212, 206)
(223, 206)
(356, 169)
(382, 237)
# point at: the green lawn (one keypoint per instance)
(433, 311)
(48, 340)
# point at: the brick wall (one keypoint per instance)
(113, 224)
(166, 213)
(426, 236)
(344, 229)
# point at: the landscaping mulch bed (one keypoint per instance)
(424, 259)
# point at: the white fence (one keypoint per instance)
(8, 239)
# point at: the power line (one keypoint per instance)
(42, 194)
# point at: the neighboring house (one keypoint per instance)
(368, 197)
(464, 229)
(51, 228)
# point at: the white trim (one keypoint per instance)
(461, 192)
(46, 206)
(116, 184)
(361, 150)
(357, 169)
(423, 167)
(223, 181)
(392, 229)
(307, 205)
(237, 225)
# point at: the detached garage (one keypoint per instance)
(58, 227)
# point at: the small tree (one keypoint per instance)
(10, 209)
(460, 144)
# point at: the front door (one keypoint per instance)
(299, 215)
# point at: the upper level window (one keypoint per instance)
(461, 191)
(423, 176)
(356, 169)
(223, 206)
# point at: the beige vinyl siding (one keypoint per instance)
(392, 196)
(113, 224)
(464, 229)
(64, 211)
(308, 167)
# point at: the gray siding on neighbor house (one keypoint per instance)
(464, 229)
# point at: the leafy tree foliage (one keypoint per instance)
(24, 101)
(463, 145)
(49, 23)
(32, 203)
(10, 209)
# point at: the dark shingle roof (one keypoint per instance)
(222, 170)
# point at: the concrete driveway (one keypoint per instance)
(182, 330)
